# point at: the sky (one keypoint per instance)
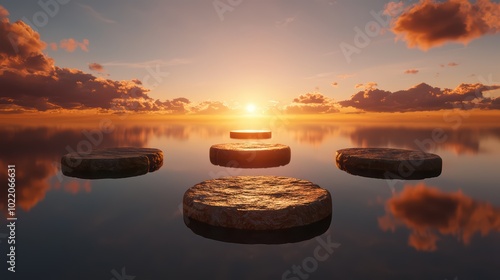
(209, 57)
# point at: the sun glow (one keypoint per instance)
(251, 108)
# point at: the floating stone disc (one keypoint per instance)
(389, 163)
(250, 155)
(112, 163)
(279, 236)
(250, 134)
(257, 202)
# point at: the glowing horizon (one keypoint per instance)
(275, 63)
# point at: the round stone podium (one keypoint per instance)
(250, 134)
(250, 155)
(118, 162)
(257, 202)
(387, 163)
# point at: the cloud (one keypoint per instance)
(95, 14)
(37, 152)
(210, 108)
(432, 214)
(21, 47)
(174, 106)
(99, 68)
(311, 103)
(411, 71)
(494, 104)
(345, 76)
(70, 45)
(451, 64)
(421, 97)
(3, 13)
(429, 24)
(284, 23)
(394, 8)
(310, 98)
(137, 81)
(31, 82)
(369, 85)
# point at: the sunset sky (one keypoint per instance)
(208, 57)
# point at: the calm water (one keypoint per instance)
(441, 228)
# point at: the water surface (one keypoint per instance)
(446, 227)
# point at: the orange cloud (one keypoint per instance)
(75, 187)
(429, 24)
(432, 214)
(34, 177)
(31, 81)
(369, 85)
(70, 45)
(411, 71)
(98, 68)
(21, 47)
(421, 97)
(3, 13)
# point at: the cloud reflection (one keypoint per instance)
(36, 152)
(431, 214)
(466, 140)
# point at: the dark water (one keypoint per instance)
(440, 228)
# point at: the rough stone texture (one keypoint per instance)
(257, 202)
(389, 163)
(250, 155)
(250, 134)
(241, 236)
(112, 163)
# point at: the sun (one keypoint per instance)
(251, 108)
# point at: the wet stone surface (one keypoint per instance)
(250, 155)
(112, 163)
(257, 202)
(387, 163)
